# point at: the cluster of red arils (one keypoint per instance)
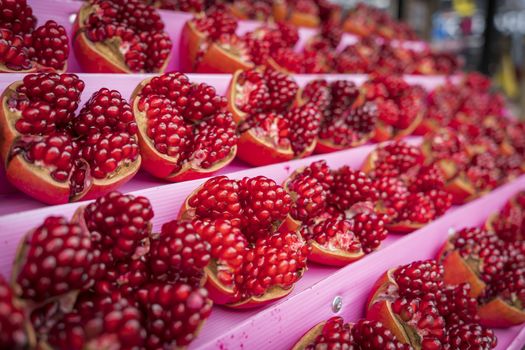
(335, 333)
(492, 260)
(417, 305)
(365, 20)
(334, 211)
(184, 130)
(26, 48)
(411, 192)
(123, 36)
(55, 154)
(104, 279)
(274, 125)
(371, 56)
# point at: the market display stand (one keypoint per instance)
(280, 324)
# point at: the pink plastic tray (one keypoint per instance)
(277, 326)
(64, 12)
(12, 201)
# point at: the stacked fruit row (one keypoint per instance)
(240, 243)
(130, 37)
(477, 281)
(209, 44)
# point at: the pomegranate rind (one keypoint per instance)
(271, 295)
(255, 151)
(351, 26)
(279, 10)
(99, 57)
(191, 41)
(457, 271)
(218, 292)
(301, 19)
(326, 146)
(499, 314)
(218, 60)
(337, 257)
(404, 226)
(309, 337)
(461, 190)
(378, 308)
(231, 93)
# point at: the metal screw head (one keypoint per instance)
(337, 304)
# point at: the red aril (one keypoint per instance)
(184, 130)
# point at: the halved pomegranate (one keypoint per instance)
(55, 156)
(184, 130)
(412, 194)
(252, 263)
(400, 105)
(120, 37)
(303, 13)
(362, 20)
(256, 10)
(209, 45)
(509, 222)
(475, 256)
(24, 48)
(334, 333)
(335, 213)
(414, 304)
(343, 126)
(271, 129)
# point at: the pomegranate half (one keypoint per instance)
(184, 130)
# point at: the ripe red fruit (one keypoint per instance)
(272, 129)
(350, 187)
(239, 219)
(55, 259)
(178, 251)
(99, 321)
(174, 313)
(13, 330)
(399, 105)
(336, 334)
(26, 48)
(120, 37)
(395, 159)
(56, 157)
(184, 130)
(209, 45)
(469, 336)
(413, 302)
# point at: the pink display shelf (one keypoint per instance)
(279, 325)
(12, 201)
(64, 13)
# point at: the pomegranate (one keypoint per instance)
(335, 213)
(414, 304)
(256, 10)
(303, 13)
(184, 131)
(14, 332)
(271, 129)
(395, 159)
(334, 333)
(54, 260)
(399, 105)
(475, 256)
(343, 126)
(25, 48)
(508, 223)
(195, 6)
(251, 263)
(209, 45)
(56, 157)
(120, 37)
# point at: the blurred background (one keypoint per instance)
(488, 35)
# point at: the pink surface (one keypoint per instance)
(279, 325)
(64, 12)
(125, 84)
